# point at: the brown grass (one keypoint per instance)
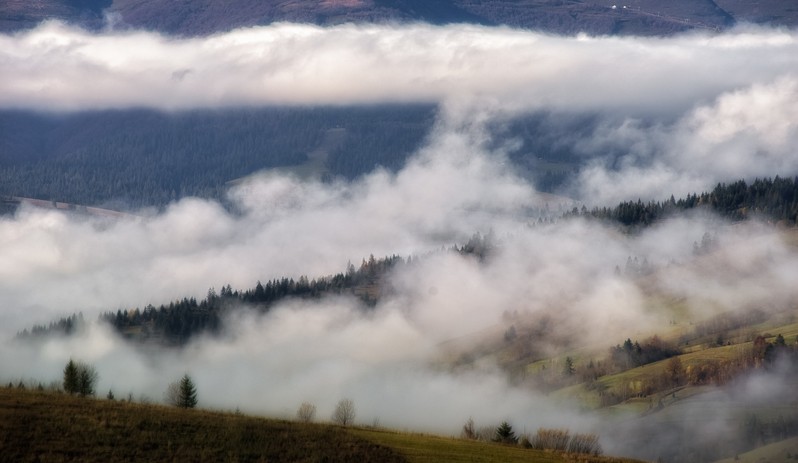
(48, 427)
(53, 427)
(420, 448)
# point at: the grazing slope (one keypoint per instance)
(40, 426)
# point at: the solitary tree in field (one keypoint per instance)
(344, 413)
(188, 393)
(306, 412)
(505, 434)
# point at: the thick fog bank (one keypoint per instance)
(47, 68)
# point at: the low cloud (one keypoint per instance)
(47, 68)
(743, 134)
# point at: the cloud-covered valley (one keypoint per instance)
(671, 116)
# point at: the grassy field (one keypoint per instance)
(786, 450)
(420, 448)
(51, 427)
(48, 427)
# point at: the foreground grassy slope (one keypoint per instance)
(46, 427)
(49, 427)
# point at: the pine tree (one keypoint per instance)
(87, 378)
(188, 393)
(505, 434)
(71, 378)
(568, 369)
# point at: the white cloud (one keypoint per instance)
(50, 66)
(743, 134)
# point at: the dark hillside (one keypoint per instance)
(133, 158)
(54, 427)
(201, 17)
(50, 427)
(775, 12)
(23, 14)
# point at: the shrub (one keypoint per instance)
(551, 439)
(469, 432)
(585, 443)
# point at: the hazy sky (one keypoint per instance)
(679, 114)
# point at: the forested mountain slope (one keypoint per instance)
(128, 159)
(775, 200)
(640, 17)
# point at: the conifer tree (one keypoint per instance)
(505, 434)
(71, 378)
(87, 378)
(188, 393)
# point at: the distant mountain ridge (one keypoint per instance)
(201, 17)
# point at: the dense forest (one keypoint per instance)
(128, 159)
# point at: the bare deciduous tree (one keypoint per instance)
(469, 432)
(585, 443)
(172, 394)
(344, 413)
(306, 412)
(551, 439)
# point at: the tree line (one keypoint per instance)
(175, 323)
(775, 199)
(178, 321)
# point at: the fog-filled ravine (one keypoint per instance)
(453, 335)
